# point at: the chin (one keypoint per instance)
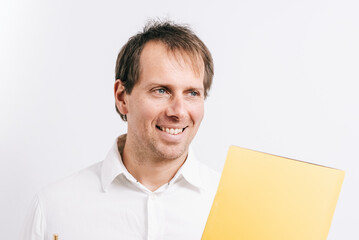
(172, 153)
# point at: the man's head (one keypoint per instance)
(162, 78)
(177, 39)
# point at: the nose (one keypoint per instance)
(176, 107)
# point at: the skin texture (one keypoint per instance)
(169, 94)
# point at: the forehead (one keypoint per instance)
(156, 53)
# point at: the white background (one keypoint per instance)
(285, 83)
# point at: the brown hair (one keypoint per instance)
(176, 38)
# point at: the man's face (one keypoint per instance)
(166, 106)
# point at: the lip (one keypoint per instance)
(171, 138)
(170, 126)
(160, 127)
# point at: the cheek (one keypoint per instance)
(143, 111)
(197, 113)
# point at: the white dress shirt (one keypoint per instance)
(105, 202)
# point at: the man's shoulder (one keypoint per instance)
(87, 179)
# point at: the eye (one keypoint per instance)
(194, 93)
(160, 91)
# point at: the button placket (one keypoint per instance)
(154, 217)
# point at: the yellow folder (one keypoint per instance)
(266, 197)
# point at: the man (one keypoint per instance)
(149, 186)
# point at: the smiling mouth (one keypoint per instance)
(172, 131)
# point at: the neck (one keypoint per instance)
(150, 171)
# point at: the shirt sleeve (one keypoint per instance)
(35, 222)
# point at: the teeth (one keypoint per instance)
(172, 131)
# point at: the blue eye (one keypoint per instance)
(161, 90)
(194, 93)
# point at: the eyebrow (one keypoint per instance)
(169, 86)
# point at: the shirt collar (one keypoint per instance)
(190, 171)
(113, 166)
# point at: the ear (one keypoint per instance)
(120, 97)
